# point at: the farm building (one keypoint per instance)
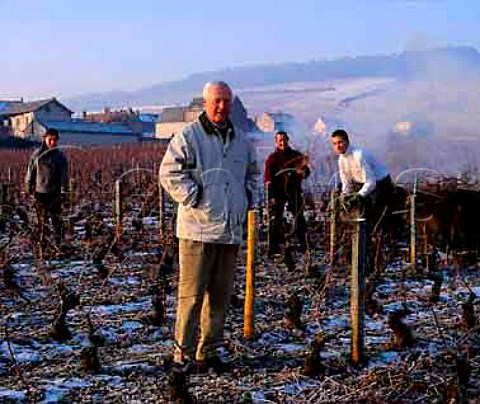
(84, 132)
(139, 122)
(174, 119)
(20, 118)
(30, 120)
(274, 121)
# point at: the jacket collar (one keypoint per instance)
(210, 128)
(287, 149)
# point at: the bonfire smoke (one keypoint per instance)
(426, 119)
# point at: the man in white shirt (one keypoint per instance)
(364, 178)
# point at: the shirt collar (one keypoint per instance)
(349, 151)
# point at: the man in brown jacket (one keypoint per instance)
(285, 169)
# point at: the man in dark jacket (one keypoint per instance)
(46, 179)
(285, 169)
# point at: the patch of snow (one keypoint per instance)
(297, 387)
(139, 348)
(375, 339)
(81, 339)
(374, 326)
(121, 367)
(149, 221)
(313, 328)
(16, 315)
(21, 353)
(336, 321)
(388, 288)
(55, 391)
(258, 397)
(290, 347)
(330, 355)
(114, 308)
(130, 325)
(110, 380)
(19, 395)
(269, 338)
(130, 280)
(384, 358)
(60, 348)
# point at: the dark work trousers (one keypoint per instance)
(295, 206)
(377, 213)
(377, 207)
(49, 206)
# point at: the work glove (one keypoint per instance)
(353, 201)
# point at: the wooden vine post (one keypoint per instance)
(357, 289)
(161, 212)
(413, 227)
(333, 227)
(4, 196)
(248, 324)
(118, 207)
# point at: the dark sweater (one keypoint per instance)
(47, 171)
(280, 173)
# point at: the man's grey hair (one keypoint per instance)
(210, 84)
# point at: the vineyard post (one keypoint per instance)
(71, 201)
(357, 289)
(413, 228)
(139, 178)
(268, 211)
(71, 191)
(118, 207)
(248, 322)
(333, 226)
(161, 211)
(4, 188)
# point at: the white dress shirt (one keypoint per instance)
(359, 166)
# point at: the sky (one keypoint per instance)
(64, 48)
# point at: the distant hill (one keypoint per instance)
(410, 65)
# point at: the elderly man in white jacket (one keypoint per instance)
(209, 170)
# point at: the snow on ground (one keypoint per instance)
(135, 355)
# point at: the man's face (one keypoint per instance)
(281, 142)
(339, 145)
(218, 103)
(51, 141)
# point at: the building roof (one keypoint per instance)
(173, 114)
(278, 115)
(16, 108)
(90, 127)
(4, 105)
(197, 102)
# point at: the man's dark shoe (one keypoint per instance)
(273, 251)
(302, 247)
(214, 363)
(177, 385)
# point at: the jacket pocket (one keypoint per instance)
(212, 206)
